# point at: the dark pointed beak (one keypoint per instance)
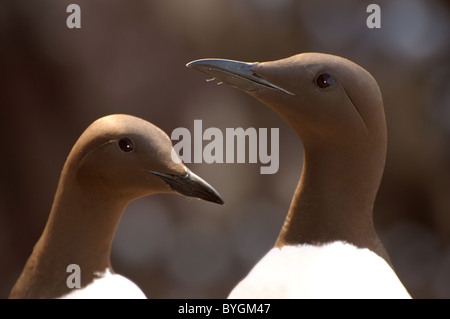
(235, 73)
(191, 185)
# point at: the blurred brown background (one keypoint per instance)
(130, 56)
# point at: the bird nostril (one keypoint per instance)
(126, 144)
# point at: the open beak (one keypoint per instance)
(235, 73)
(191, 185)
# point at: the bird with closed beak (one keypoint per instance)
(328, 246)
(117, 159)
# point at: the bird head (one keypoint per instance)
(127, 157)
(331, 102)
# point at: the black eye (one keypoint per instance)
(126, 144)
(324, 80)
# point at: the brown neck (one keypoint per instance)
(80, 230)
(334, 200)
